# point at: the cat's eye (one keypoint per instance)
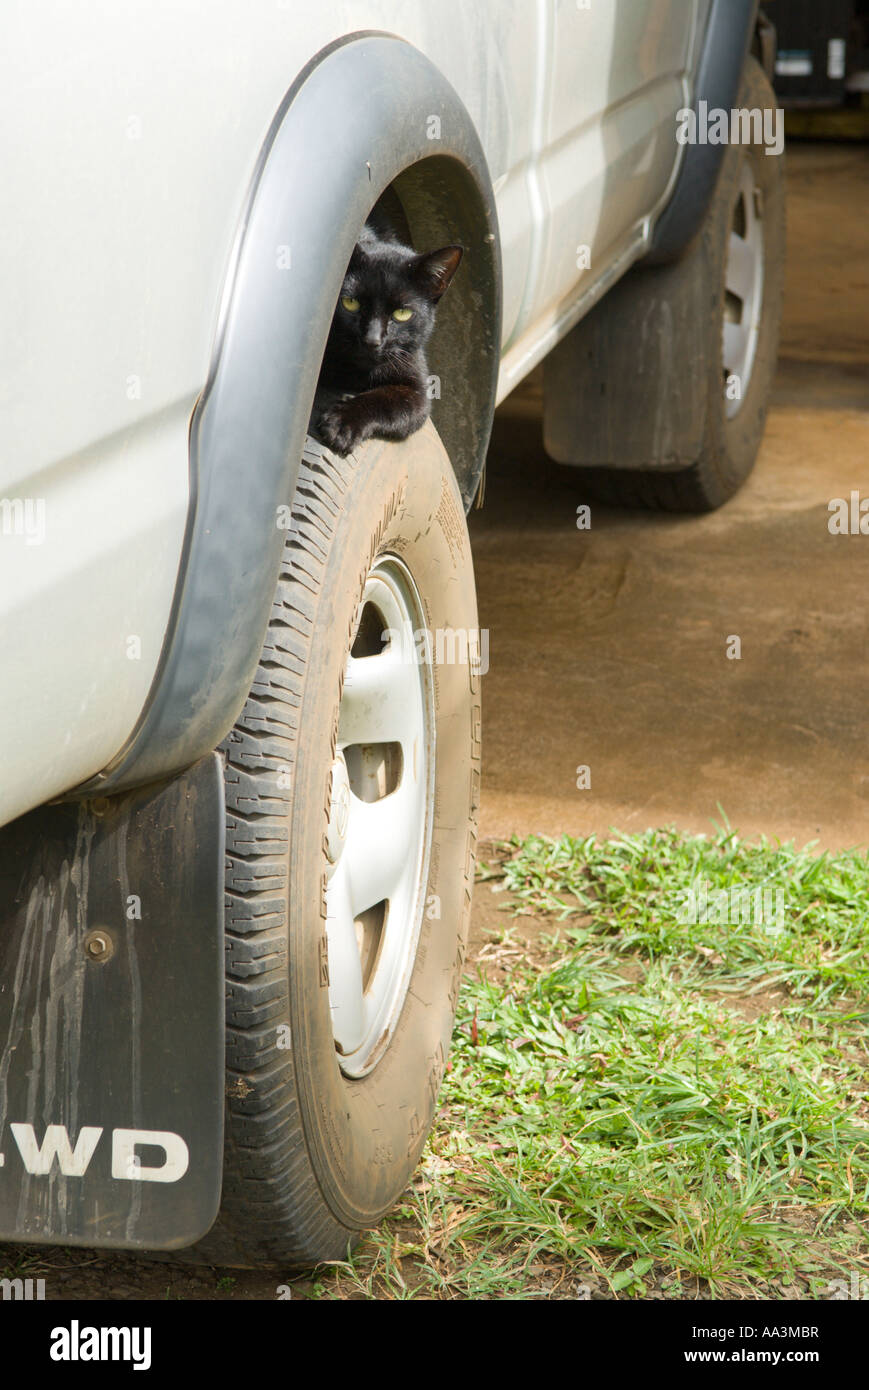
(402, 315)
(351, 305)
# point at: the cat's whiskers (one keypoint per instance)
(396, 357)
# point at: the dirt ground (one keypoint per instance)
(607, 647)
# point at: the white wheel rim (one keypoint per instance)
(379, 833)
(743, 288)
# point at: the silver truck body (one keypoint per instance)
(130, 134)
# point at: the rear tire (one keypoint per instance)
(640, 384)
(319, 1143)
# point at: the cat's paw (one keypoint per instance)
(338, 430)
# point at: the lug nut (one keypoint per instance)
(98, 946)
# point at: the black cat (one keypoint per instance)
(374, 375)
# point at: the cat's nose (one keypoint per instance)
(374, 334)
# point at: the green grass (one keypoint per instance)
(648, 1106)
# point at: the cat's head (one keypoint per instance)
(386, 309)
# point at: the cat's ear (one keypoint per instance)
(436, 270)
(360, 256)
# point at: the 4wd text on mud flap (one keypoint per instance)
(73, 1161)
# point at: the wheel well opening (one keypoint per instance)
(437, 202)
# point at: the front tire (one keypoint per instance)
(344, 956)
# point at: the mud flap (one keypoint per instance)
(112, 1017)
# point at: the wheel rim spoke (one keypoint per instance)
(380, 838)
(740, 267)
(345, 966)
(735, 340)
(377, 701)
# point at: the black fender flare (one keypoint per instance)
(357, 120)
(725, 46)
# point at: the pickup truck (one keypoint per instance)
(240, 682)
